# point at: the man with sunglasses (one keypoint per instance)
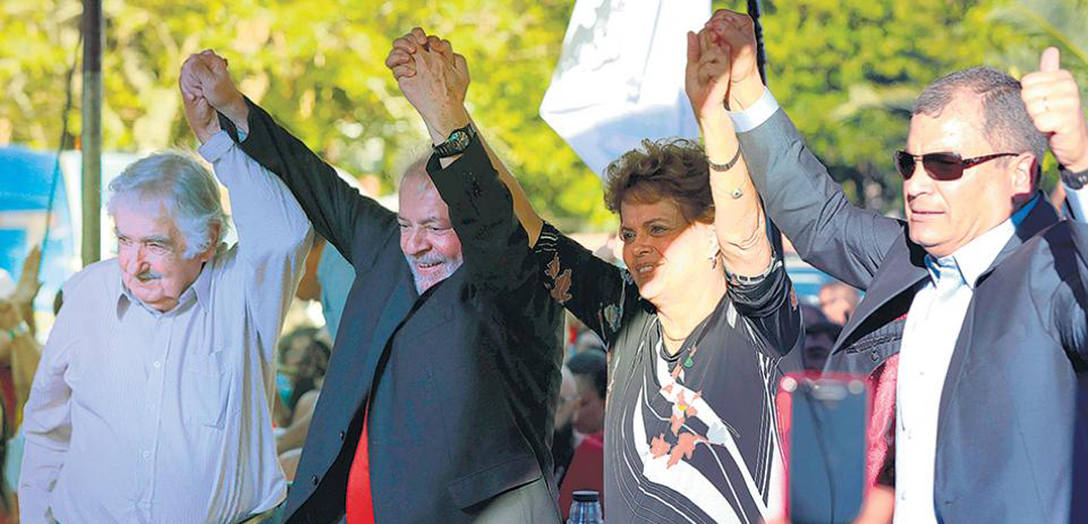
(976, 310)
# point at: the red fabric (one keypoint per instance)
(7, 389)
(360, 505)
(586, 471)
(881, 428)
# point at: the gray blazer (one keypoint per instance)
(1007, 412)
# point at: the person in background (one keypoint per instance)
(19, 355)
(563, 435)
(304, 358)
(152, 401)
(335, 274)
(585, 470)
(837, 301)
(327, 279)
(820, 337)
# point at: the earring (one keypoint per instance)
(713, 255)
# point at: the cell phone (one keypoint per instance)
(825, 428)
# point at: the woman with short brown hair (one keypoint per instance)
(700, 325)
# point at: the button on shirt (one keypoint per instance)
(137, 415)
(929, 339)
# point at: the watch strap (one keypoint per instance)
(452, 146)
(1074, 180)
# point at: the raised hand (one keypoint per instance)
(206, 74)
(736, 31)
(1053, 101)
(400, 60)
(434, 81)
(706, 77)
(201, 116)
(27, 287)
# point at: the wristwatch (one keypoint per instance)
(1074, 180)
(456, 143)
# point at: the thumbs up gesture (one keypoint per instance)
(1053, 101)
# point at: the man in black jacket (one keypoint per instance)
(439, 397)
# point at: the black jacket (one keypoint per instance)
(461, 382)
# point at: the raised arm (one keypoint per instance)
(338, 212)
(1052, 98)
(798, 194)
(401, 62)
(481, 209)
(480, 206)
(739, 222)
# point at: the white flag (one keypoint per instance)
(620, 77)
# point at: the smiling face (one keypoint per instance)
(943, 215)
(149, 247)
(427, 238)
(662, 250)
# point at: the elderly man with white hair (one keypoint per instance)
(153, 399)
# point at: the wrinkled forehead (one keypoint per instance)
(419, 200)
(134, 217)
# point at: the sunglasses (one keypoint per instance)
(940, 166)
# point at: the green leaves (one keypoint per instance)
(846, 70)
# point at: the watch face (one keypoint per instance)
(460, 138)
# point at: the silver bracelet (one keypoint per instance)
(726, 166)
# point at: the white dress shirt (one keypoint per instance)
(137, 415)
(929, 339)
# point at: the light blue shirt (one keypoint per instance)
(336, 275)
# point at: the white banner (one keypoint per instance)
(620, 77)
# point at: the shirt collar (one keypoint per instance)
(974, 257)
(1022, 213)
(199, 290)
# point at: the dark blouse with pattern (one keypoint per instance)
(690, 437)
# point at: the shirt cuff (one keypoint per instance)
(1077, 199)
(756, 114)
(216, 146)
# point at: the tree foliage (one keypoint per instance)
(846, 70)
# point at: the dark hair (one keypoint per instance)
(1006, 124)
(315, 359)
(591, 363)
(673, 169)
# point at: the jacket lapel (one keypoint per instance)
(396, 309)
(903, 267)
(1039, 218)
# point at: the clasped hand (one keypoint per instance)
(433, 78)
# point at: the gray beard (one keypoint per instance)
(423, 284)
